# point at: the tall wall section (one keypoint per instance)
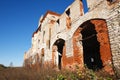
(113, 22)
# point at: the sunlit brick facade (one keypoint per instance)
(80, 36)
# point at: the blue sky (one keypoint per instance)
(18, 20)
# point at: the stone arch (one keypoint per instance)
(57, 51)
(92, 43)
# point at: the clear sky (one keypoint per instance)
(18, 20)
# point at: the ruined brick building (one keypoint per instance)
(78, 37)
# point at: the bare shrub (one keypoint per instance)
(47, 72)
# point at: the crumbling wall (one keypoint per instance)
(78, 48)
(76, 10)
(67, 62)
(113, 23)
(102, 37)
(105, 16)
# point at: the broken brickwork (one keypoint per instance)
(79, 37)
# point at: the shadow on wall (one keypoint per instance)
(91, 46)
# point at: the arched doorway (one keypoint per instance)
(58, 46)
(91, 46)
(91, 42)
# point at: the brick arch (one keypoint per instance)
(82, 39)
(58, 36)
(59, 43)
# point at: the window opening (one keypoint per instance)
(38, 41)
(85, 6)
(40, 27)
(43, 35)
(58, 21)
(68, 12)
(42, 57)
(49, 36)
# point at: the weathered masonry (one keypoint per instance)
(87, 33)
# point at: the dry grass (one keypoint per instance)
(48, 73)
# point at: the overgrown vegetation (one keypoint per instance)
(48, 73)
